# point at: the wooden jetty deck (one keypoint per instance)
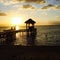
(21, 30)
(13, 31)
(10, 35)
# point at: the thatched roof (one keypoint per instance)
(30, 21)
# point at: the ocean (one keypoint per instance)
(46, 36)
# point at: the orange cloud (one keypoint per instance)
(28, 6)
(35, 1)
(48, 6)
(8, 2)
(2, 14)
(56, 7)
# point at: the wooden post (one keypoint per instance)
(31, 37)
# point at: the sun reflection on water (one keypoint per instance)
(20, 37)
(17, 27)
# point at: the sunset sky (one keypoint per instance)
(44, 12)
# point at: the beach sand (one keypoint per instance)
(29, 53)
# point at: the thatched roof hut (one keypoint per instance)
(30, 21)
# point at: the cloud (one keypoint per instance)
(8, 2)
(28, 6)
(35, 1)
(48, 6)
(57, 16)
(2, 14)
(57, 0)
(56, 7)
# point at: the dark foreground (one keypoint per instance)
(29, 53)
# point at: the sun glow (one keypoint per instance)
(17, 27)
(17, 21)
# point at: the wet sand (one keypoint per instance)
(29, 53)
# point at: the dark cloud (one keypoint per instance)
(57, 0)
(48, 6)
(2, 14)
(35, 1)
(9, 2)
(58, 7)
(28, 6)
(51, 6)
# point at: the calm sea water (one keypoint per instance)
(46, 35)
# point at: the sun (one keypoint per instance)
(17, 21)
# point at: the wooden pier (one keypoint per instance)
(2, 34)
(10, 35)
